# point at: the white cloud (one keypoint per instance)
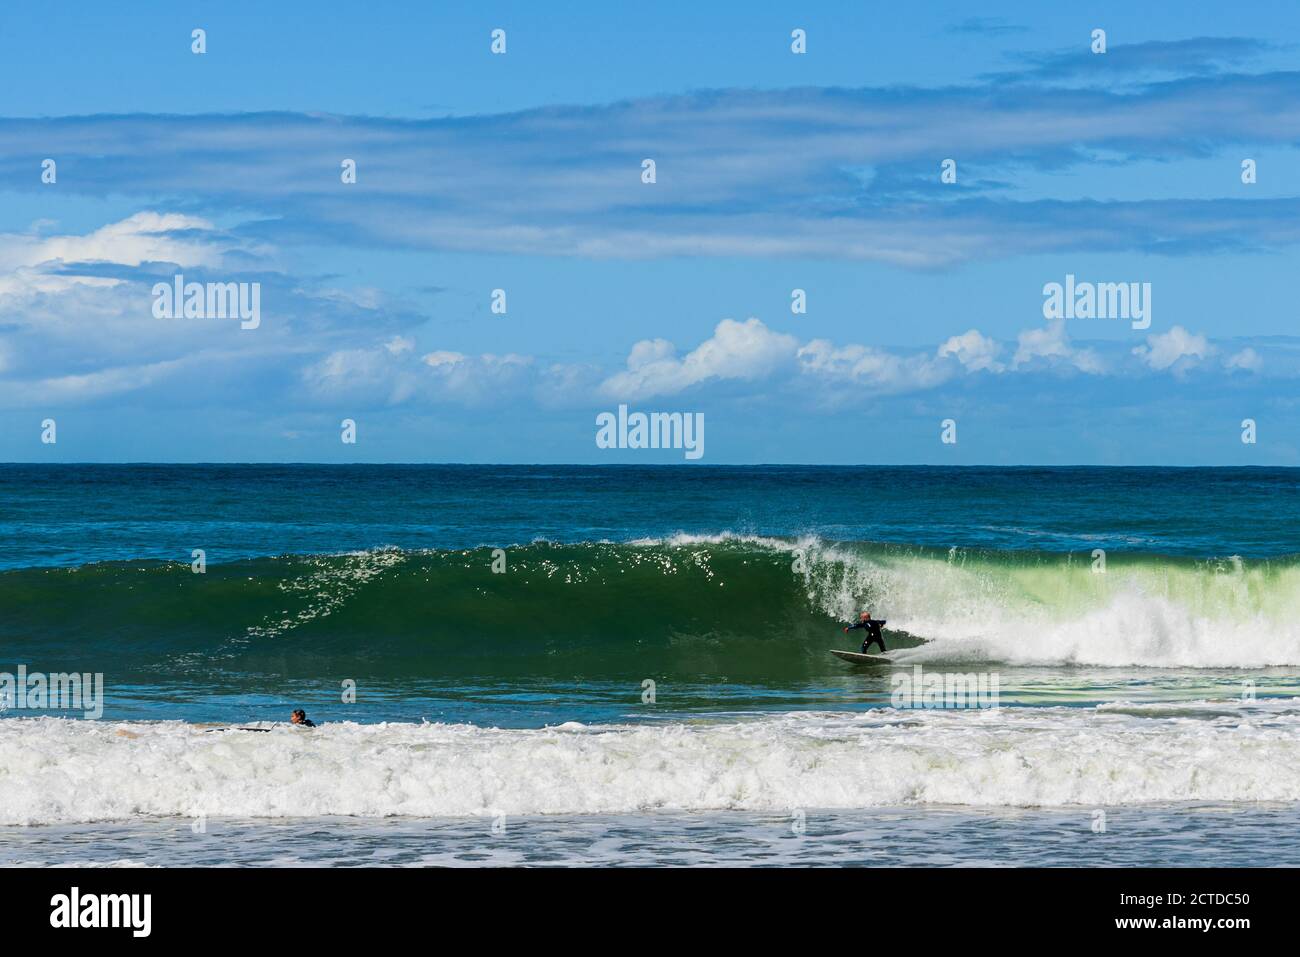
(882, 371)
(88, 386)
(439, 359)
(49, 291)
(751, 351)
(70, 337)
(737, 350)
(78, 312)
(391, 373)
(1247, 360)
(974, 351)
(485, 379)
(32, 264)
(359, 373)
(143, 237)
(1177, 347)
(1051, 344)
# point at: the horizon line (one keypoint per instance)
(663, 465)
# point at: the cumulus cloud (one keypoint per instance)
(974, 351)
(1177, 349)
(737, 350)
(481, 379)
(1247, 360)
(394, 373)
(373, 375)
(1052, 345)
(752, 352)
(884, 372)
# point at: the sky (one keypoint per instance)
(127, 159)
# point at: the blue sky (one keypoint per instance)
(774, 171)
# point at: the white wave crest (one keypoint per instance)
(1027, 609)
(58, 770)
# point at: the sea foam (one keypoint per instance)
(60, 770)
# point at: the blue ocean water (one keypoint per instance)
(627, 644)
(71, 515)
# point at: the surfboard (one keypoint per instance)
(209, 727)
(263, 730)
(860, 659)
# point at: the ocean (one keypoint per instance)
(617, 665)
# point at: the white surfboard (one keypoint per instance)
(860, 659)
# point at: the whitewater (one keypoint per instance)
(1041, 609)
(62, 771)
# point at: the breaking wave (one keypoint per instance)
(57, 770)
(689, 605)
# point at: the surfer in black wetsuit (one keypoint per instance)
(874, 637)
(300, 717)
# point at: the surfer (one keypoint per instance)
(300, 717)
(872, 627)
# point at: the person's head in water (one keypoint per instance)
(865, 616)
(300, 717)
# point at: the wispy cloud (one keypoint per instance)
(985, 27)
(77, 321)
(827, 173)
(1196, 56)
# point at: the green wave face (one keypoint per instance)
(572, 610)
(723, 608)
